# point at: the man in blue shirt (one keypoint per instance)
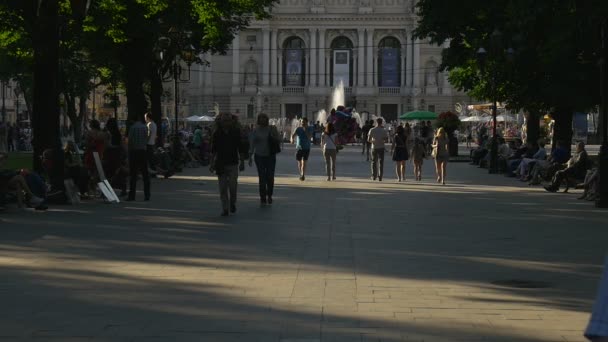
(302, 141)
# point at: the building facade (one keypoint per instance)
(288, 66)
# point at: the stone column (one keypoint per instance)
(265, 57)
(361, 59)
(403, 70)
(417, 70)
(370, 58)
(313, 58)
(273, 59)
(322, 69)
(280, 69)
(446, 86)
(409, 67)
(208, 71)
(236, 61)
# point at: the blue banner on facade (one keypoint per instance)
(390, 71)
(293, 68)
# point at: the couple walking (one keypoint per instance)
(229, 151)
(378, 136)
(301, 137)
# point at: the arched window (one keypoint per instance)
(341, 66)
(294, 62)
(389, 62)
(251, 73)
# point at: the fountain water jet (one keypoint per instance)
(337, 98)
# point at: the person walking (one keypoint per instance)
(330, 150)
(138, 161)
(441, 154)
(365, 133)
(400, 152)
(10, 138)
(261, 141)
(228, 156)
(151, 145)
(377, 137)
(418, 155)
(302, 141)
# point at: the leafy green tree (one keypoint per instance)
(553, 69)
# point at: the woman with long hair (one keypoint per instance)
(441, 154)
(418, 154)
(400, 152)
(261, 142)
(330, 150)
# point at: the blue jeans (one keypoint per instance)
(266, 167)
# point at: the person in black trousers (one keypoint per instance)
(138, 161)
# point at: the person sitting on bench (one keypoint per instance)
(576, 168)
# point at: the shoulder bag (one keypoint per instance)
(273, 144)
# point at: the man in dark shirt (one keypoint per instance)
(364, 134)
(228, 154)
(138, 160)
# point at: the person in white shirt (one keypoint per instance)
(330, 150)
(377, 137)
(151, 144)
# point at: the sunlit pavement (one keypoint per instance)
(483, 258)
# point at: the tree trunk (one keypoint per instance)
(562, 130)
(45, 116)
(134, 75)
(156, 91)
(533, 127)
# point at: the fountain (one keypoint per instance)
(322, 116)
(337, 97)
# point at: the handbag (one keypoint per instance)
(274, 144)
(338, 147)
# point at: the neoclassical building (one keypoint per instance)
(288, 65)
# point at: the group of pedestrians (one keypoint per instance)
(230, 151)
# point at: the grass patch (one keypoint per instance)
(19, 161)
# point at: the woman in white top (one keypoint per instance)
(330, 150)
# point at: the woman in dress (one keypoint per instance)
(261, 151)
(330, 150)
(418, 154)
(441, 154)
(400, 152)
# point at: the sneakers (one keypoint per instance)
(35, 200)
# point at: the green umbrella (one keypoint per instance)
(419, 115)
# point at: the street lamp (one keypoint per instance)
(178, 44)
(483, 56)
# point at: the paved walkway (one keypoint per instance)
(352, 260)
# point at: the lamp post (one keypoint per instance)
(178, 44)
(602, 200)
(483, 56)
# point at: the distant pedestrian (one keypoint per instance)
(151, 146)
(597, 330)
(400, 152)
(441, 154)
(10, 138)
(264, 154)
(418, 155)
(377, 137)
(365, 133)
(330, 150)
(138, 161)
(228, 153)
(301, 137)
(3, 137)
